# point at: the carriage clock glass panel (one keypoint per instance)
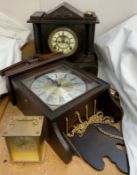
(58, 86)
(63, 40)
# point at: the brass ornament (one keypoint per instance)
(114, 93)
(89, 13)
(96, 119)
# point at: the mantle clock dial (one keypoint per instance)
(63, 40)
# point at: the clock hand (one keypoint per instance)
(54, 81)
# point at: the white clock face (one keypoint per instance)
(58, 87)
(63, 40)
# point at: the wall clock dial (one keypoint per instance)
(58, 86)
(63, 40)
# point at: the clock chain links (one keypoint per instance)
(96, 119)
(109, 134)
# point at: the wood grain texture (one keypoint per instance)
(3, 104)
(52, 164)
(28, 49)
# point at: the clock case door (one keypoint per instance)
(67, 16)
(29, 104)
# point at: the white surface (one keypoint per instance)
(12, 37)
(20, 10)
(9, 28)
(118, 65)
(9, 54)
(110, 12)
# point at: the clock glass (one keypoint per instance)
(63, 40)
(58, 86)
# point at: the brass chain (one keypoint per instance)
(108, 134)
(96, 119)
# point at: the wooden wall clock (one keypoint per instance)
(67, 30)
(65, 95)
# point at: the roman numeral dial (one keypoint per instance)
(63, 40)
(58, 87)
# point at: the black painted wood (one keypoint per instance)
(94, 145)
(83, 24)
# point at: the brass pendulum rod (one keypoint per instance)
(95, 105)
(87, 114)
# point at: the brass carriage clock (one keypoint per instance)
(24, 136)
(67, 30)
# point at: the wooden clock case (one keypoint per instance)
(20, 97)
(83, 24)
(29, 104)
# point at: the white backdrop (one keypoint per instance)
(110, 12)
(117, 50)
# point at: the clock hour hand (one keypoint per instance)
(54, 81)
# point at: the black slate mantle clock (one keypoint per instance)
(66, 29)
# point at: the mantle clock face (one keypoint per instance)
(66, 30)
(63, 40)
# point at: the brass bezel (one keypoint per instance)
(63, 29)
